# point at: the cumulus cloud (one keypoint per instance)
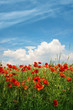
(18, 54)
(43, 52)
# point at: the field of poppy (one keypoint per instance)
(36, 87)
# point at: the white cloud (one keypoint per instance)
(43, 52)
(54, 47)
(30, 47)
(18, 54)
(11, 18)
(39, 12)
(16, 14)
(7, 40)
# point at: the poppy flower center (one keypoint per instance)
(36, 80)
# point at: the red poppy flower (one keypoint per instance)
(39, 66)
(45, 82)
(68, 78)
(17, 83)
(56, 67)
(12, 80)
(23, 82)
(10, 66)
(1, 69)
(5, 72)
(49, 65)
(59, 65)
(52, 69)
(20, 66)
(7, 79)
(28, 78)
(35, 64)
(39, 62)
(14, 67)
(10, 75)
(55, 102)
(65, 66)
(32, 72)
(62, 75)
(61, 69)
(46, 63)
(36, 71)
(25, 87)
(29, 68)
(36, 79)
(9, 85)
(0, 64)
(39, 86)
(14, 73)
(24, 68)
(71, 69)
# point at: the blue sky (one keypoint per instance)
(31, 22)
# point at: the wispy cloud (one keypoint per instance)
(20, 42)
(26, 16)
(11, 18)
(40, 11)
(7, 40)
(65, 2)
(10, 1)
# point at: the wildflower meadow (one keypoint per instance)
(36, 87)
